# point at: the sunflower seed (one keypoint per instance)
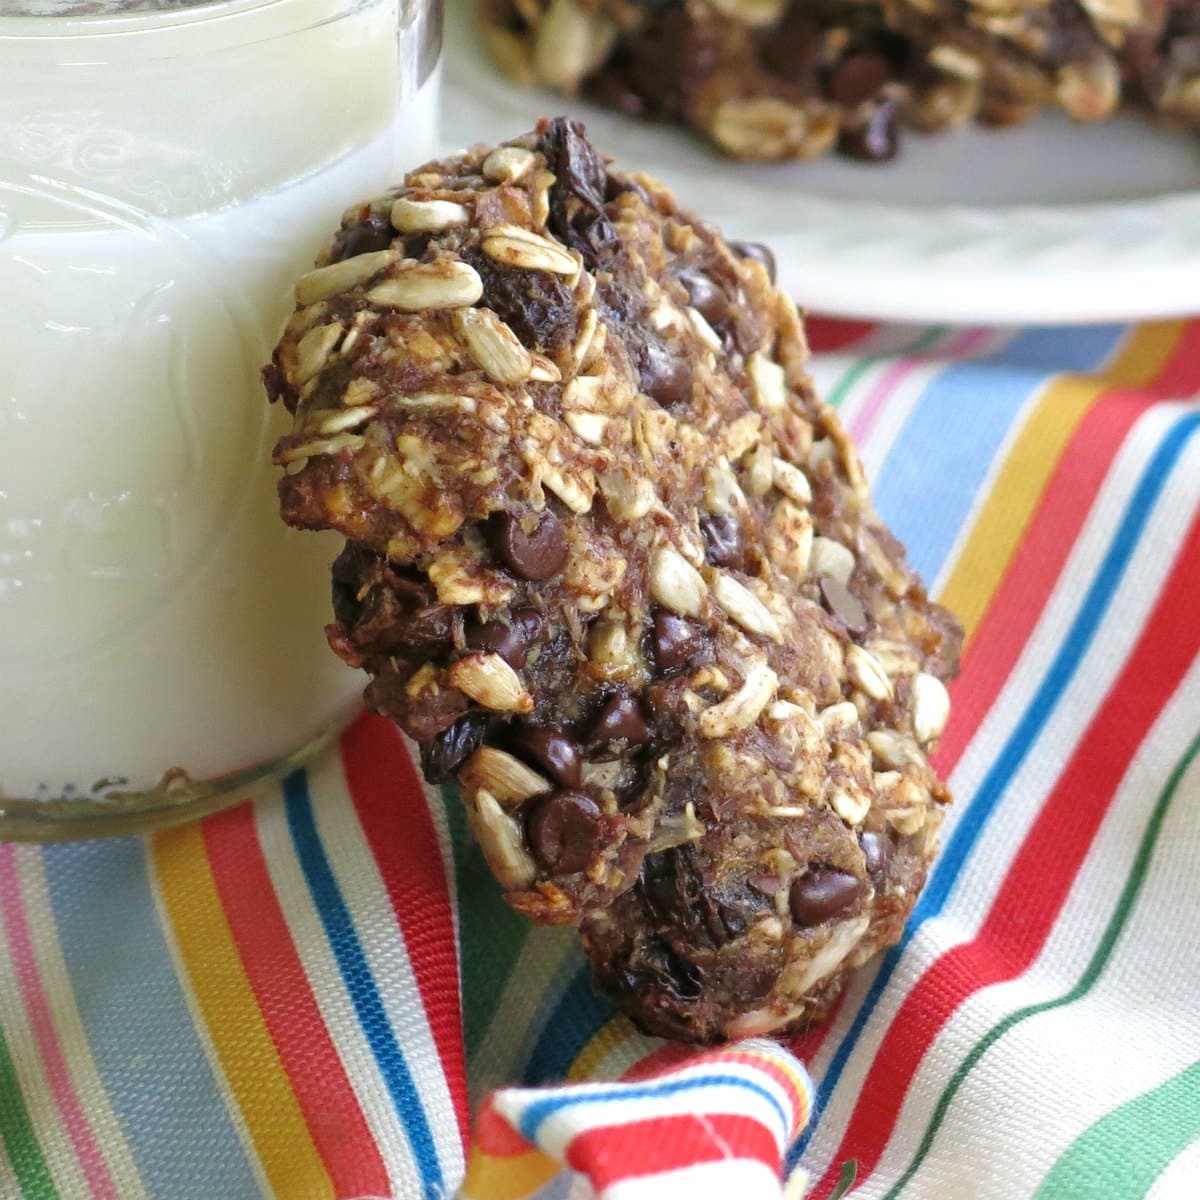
(505, 777)
(852, 807)
(417, 286)
(867, 674)
(675, 583)
(792, 481)
(543, 370)
(313, 350)
(517, 247)
(760, 470)
(499, 838)
(893, 750)
(703, 330)
(839, 718)
(931, 707)
(769, 381)
(493, 345)
(722, 492)
(427, 216)
(588, 426)
(507, 164)
(754, 13)
(831, 558)
(743, 708)
(340, 277)
(490, 681)
(333, 445)
(569, 43)
(745, 608)
(627, 498)
(342, 419)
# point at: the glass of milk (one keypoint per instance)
(166, 170)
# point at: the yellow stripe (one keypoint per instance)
(606, 1039)
(232, 1018)
(1017, 489)
(517, 1177)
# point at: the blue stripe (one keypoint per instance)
(360, 983)
(542, 1110)
(941, 459)
(1059, 675)
(578, 1016)
(138, 1027)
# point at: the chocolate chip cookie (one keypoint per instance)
(614, 567)
(780, 79)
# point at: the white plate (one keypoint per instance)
(1050, 222)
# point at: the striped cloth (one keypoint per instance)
(306, 996)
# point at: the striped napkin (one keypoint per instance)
(309, 996)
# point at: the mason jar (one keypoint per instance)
(166, 170)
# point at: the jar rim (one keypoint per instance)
(99, 18)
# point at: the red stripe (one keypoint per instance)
(396, 821)
(1040, 877)
(1029, 579)
(826, 335)
(669, 1057)
(616, 1152)
(314, 1069)
(494, 1136)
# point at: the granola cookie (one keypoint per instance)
(614, 567)
(762, 79)
(779, 79)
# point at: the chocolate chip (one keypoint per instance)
(707, 297)
(510, 639)
(722, 539)
(877, 140)
(675, 640)
(620, 720)
(844, 604)
(877, 849)
(428, 626)
(565, 831)
(858, 77)
(375, 233)
(554, 752)
(821, 893)
(442, 755)
(758, 252)
(664, 376)
(534, 555)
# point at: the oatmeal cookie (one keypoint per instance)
(614, 567)
(780, 79)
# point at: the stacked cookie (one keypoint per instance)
(775, 79)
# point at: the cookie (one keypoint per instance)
(614, 567)
(761, 79)
(792, 79)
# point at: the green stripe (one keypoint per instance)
(1124, 1152)
(490, 933)
(838, 394)
(1103, 952)
(20, 1142)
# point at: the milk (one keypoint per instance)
(155, 614)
